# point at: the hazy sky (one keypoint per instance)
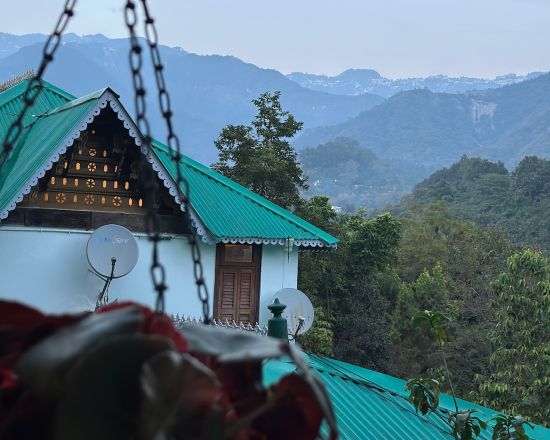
(396, 37)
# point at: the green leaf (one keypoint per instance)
(424, 394)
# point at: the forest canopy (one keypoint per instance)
(518, 202)
(455, 246)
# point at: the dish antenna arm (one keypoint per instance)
(301, 321)
(104, 295)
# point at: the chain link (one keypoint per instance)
(35, 84)
(157, 269)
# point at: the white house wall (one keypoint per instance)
(277, 272)
(48, 269)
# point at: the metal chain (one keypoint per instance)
(35, 84)
(151, 187)
(175, 154)
(150, 184)
(157, 270)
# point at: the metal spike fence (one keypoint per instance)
(182, 321)
(16, 80)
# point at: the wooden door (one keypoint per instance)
(237, 283)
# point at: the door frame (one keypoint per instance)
(221, 263)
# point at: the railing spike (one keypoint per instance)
(181, 321)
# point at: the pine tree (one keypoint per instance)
(260, 157)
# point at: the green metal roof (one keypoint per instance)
(372, 405)
(48, 123)
(227, 210)
(11, 102)
(230, 210)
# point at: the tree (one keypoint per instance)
(469, 258)
(319, 339)
(411, 350)
(355, 283)
(520, 380)
(425, 392)
(487, 194)
(260, 157)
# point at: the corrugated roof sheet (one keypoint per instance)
(372, 405)
(45, 134)
(230, 210)
(11, 103)
(227, 209)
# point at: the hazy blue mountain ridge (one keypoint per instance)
(436, 129)
(359, 81)
(383, 147)
(12, 43)
(208, 92)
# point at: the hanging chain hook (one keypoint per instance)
(175, 154)
(34, 86)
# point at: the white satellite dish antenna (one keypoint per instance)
(298, 312)
(112, 243)
(112, 252)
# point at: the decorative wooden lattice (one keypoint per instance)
(99, 173)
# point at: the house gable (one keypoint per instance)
(96, 182)
(63, 164)
(221, 210)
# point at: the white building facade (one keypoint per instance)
(78, 168)
(48, 268)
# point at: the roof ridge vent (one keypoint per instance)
(16, 80)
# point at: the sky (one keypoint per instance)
(398, 38)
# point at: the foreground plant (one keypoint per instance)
(510, 427)
(126, 372)
(425, 392)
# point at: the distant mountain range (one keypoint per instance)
(415, 131)
(434, 130)
(208, 92)
(360, 81)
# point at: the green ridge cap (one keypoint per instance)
(77, 101)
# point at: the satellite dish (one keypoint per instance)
(298, 307)
(112, 242)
